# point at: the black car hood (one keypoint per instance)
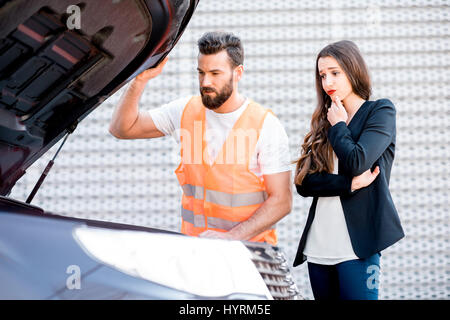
(54, 72)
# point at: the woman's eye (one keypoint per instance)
(322, 76)
(335, 73)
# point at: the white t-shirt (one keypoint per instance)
(272, 148)
(328, 241)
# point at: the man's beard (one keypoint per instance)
(220, 98)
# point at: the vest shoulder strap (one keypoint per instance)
(255, 116)
(194, 110)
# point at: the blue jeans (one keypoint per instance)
(350, 280)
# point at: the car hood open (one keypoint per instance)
(59, 61)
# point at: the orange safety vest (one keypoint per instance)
(221, 195)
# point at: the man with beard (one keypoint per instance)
(235, 168)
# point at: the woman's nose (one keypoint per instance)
(329, 82)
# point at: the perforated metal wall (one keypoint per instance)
(406, 45)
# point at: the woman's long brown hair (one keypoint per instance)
(316, 151)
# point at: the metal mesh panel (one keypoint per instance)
(406, 46)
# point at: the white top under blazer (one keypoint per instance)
(328, 241)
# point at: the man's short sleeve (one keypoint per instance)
(167, 118)
(273, 147)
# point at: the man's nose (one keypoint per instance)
(205, 81)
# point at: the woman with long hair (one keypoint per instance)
(345, 165)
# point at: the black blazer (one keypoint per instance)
(368, 140)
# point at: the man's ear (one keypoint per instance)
(239, 72)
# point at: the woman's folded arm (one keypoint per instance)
(323, 184)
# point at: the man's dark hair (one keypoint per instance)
(214, 42)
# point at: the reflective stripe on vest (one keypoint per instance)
(223, 198)
(223, 224)
(198, 220)
(193, 191)
(237, 199)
